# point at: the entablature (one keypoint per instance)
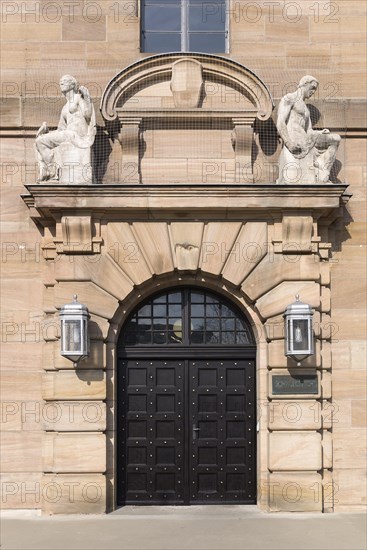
(196, 201)
(73, 217)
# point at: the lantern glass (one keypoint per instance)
(299, 334)
(72, 336)
(86, 339)
(74, 331)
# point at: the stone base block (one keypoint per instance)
(73, 494)
(20, 491)
(75, 167)
(295, 492)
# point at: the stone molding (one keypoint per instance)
(47, 201)
(187, 82)
(130, 138)
(158, 68)
(186, 114)
(184, 77)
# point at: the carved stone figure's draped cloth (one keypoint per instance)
(82, 141)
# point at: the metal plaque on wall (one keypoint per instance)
(294, 384)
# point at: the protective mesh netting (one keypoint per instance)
(183, 151)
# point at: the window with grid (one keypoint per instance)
(184, 26)
(187, 317)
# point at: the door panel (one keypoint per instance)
(186, 405)
(187, 443)
(222, 431)
(151, 445)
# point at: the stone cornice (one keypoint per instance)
(185, 114)
(46, 201)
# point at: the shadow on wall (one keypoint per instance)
(265, 151)
(101, 152)
(268, 145)
(268, 136)
(338, 230)
(315, 115)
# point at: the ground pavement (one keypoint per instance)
(185, 528)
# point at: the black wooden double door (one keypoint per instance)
(186, 431)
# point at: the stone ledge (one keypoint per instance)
(45, 201)
(175, 114)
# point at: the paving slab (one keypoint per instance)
(185, 528)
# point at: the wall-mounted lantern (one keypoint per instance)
(74, 331)
(299, 339)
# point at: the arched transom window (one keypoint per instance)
(187, 317)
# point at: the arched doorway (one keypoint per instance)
(186, 430)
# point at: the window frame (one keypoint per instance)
(187, 317)
(184, 31)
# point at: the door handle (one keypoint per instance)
(195, 431)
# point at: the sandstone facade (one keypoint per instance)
(181, 199)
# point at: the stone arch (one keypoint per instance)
(235, 253)
(158, 68)
(175, 279)
(166, 109)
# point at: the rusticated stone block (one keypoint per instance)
(95, 359)
(327, 449)
(248, 250)
(73, 494)
(77, 452)
(294, 415)
(75, 384)
(19, 361)
(74, 416)
(277, 359)
(99, 301)
(20, 451)
(153, 238)
(295, 492)
(21, 491)
(295, 451)
(276, 300)
(276, 268)
(218, 241)
(326, 381)
(326, 355)
(11, 415)
(126, 252)
(20, 386)
(275, 326)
